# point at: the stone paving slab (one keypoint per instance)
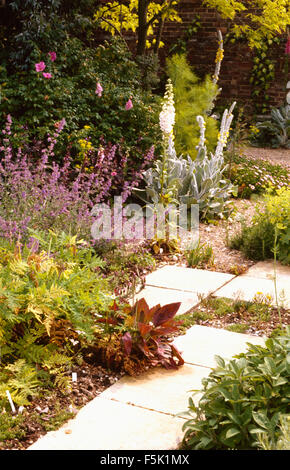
(159, 389)
(187, 279)
(201, 343)
(245, 287)
(109, 425)
(158, 295)
(265, 270)
(138, 413)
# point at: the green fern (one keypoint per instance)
(47, 298)
(21, 381)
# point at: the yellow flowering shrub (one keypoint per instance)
(257, 241)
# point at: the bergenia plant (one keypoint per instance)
(151, 334)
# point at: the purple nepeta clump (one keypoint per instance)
(46, 195)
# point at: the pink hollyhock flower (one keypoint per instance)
(99, 89)
(47, 75)
(52, 56)
(114, 173)
(287, 48)
(129, 104)
(40, 66)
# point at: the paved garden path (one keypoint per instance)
(139, 413)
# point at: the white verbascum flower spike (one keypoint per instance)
(201, 124)
(224, 130)
(167, 114)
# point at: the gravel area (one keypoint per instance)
(278, 156)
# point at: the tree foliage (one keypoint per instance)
(257, 19)
(141, 16)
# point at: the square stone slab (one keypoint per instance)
(187, 279)
(109, 425)
(159, 389)
(201, 343)
(158, 295)
(246, 288)
(265, 270)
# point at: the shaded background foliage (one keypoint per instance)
(30, 31)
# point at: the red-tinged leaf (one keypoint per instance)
(161, 351)
(177, 354)
(141, 309)
(144, 348)
(127, 342)
(154, 362)
(148, 317)
(160, 330)
(173, 364)
(127, 309)
(172, 323)
(144, 329)
(165, 313)
(114, 306)
(110, 320)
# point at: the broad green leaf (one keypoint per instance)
(261, 419)
(219, 360)
(232, 432)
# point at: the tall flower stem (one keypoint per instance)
(163, 169)
(275, 251)
(166, 121)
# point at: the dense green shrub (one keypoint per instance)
(283, 442)
(242, 399)
(30, 24)
(192, 98)
(257, 241)
(36, 103)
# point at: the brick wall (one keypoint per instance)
(238, 58)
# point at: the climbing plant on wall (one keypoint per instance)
(263, 74)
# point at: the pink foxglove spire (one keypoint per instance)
(99, 89)
(129, 104)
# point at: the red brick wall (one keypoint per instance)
(238, 58)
